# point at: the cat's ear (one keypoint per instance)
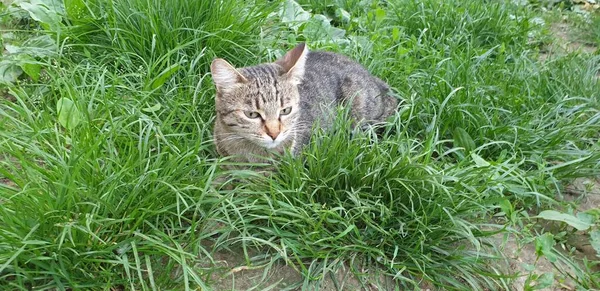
(225, 76)
(293, 63)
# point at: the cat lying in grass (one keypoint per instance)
(272, 107)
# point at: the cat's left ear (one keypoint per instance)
(293, 63)
(225, 76)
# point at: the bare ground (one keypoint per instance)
(234, 272)
(564, 42)
(521, 255)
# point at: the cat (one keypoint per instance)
(270, 108)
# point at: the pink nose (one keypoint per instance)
(273, 135)
(272, 129)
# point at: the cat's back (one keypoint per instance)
(332, 79)
(328, 64)
(327, 73)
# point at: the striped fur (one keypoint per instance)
(272, 107)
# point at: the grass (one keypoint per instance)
(126, 196)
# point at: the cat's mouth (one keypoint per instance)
(269, 143)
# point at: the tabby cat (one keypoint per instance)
(270, 108)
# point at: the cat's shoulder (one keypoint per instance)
(327, 56)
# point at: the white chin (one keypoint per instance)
(271, 144)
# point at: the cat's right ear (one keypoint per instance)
(225, 76)
(293, 63)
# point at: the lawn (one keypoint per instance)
(485, 179)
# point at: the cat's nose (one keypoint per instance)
(272, 129)
(273, 135)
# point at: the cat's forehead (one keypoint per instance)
(263, 80)
(264, 89)
(264, 72)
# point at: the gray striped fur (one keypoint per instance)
(311, 83)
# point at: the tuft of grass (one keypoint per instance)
(151, 30)
(120, 186)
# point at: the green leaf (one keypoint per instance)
(76, 9)
(595, 241)
(68, 115)
(544, 281)
(164, 75)
(379, 15)
(12, 49)
(30, 66)
(292, 14)
(479, 161)
(45, 12)
(506, 207)
(336, 33)
(463, 139)
(319, 27)
(544, 245)
(395, 33)
(32, 70)
(154, 108)
(41, 46)
(342, 15)
(9, 72)
(587, 217)
(564, 217)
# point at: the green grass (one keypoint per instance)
(128, 197)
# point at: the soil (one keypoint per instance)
(585, 195)
(279, 276)
(564, 42)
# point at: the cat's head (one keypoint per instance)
(260, 103)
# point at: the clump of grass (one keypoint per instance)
(151, 30)
(107, 198)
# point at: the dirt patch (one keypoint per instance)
(564, 42)
(524, 264)
(8, 182)
(522, 261)
(5, 95)
(521, 256)
(585, 192)
(234, 272)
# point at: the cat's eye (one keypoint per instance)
(252, 114)
(286, 111)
